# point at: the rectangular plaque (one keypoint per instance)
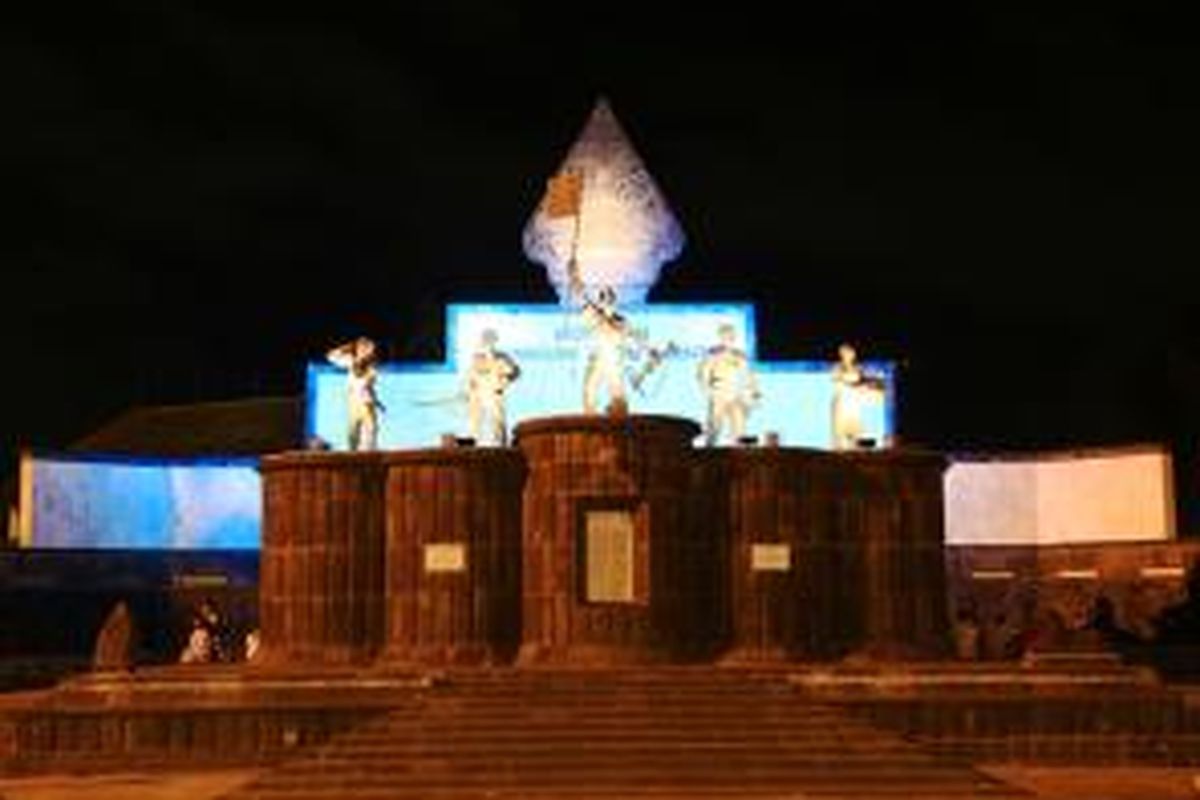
(1163, 572)
(770, 558)
(446, 557)
(993, 574)
(609, 556)
(1078, 574)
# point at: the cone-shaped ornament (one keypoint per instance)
(603, 211)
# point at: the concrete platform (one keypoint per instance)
(1066, 783)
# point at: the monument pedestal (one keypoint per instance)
(891, 520)
(607, 561)
(453, 577)
(829, 554)
(602, 540)
(412, 555)
(321, 574)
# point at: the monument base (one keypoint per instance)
(221, 715)
(590, 655)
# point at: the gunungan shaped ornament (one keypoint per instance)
(620, 229)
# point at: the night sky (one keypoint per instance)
(1002, 197)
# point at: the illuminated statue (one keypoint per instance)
(603, 226)
(730, 385)
(357, 357)
(487, 380)
(604, 216)
(611, 335)
(851, 390)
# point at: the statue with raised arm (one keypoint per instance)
(611, 336)
(729, 384)
(487, 380)
(852, 388)
(357, 357)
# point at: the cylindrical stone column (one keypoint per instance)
(607, 562)
(453, 555)
(891, 524)
(782, 556)
(321, 580)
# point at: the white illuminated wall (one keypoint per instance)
(1061, 498)
(424, 401)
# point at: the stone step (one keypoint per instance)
(664, 694)
(569, 681)
(694, 704)
(665, 697)
(616, 742)
(109, 763)
(913, 676)
(548, 756)
(682, 730)
(574, 718)
(649, 792)
(1173, 749)
(762, 707)
(567, 735)
(564, 771)
(788, 790)
(760, 773)
(631, 715)
(689, 766)
(634, 776)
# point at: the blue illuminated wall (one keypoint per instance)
(118, 502)
(152, 504)
(423, 400)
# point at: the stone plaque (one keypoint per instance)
(446, 557)
(609, 556)
(770, 558)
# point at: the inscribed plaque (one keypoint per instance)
(609, 557)
(770, 558)
(445, 557)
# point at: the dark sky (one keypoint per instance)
(1004, 196)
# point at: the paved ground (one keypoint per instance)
(1053, 783)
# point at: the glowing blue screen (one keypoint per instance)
(93, 503)
(424, 401)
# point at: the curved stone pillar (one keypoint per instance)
(783, 555)
(453, 581)
(321, 581)
(891, 521)
(834, 554)
(607, 563)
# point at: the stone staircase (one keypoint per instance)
(662, 733)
